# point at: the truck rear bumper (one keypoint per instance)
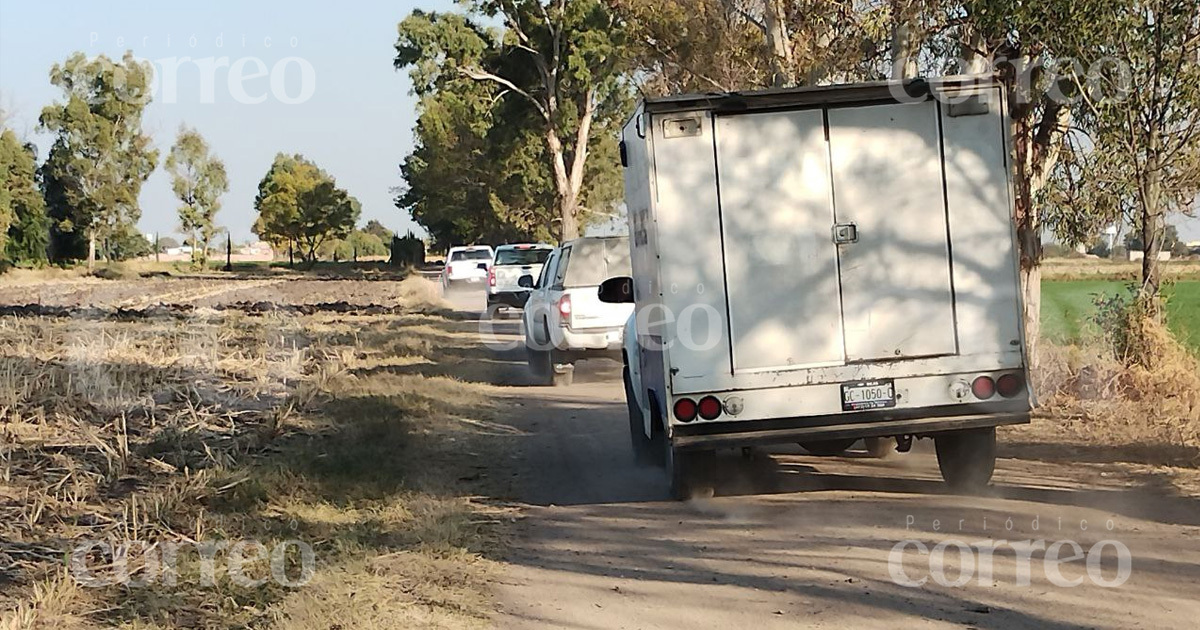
(505, 297)
(802, 429)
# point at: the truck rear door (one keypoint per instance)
(835, 236)
(780, 260)
(895, 267)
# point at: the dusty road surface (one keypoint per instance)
(791, 540)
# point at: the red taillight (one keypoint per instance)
(1010, 385)
(492, 277)
(685, 410)
(709, 407)
(983, 387)
(564, 306)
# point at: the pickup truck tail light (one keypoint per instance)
(564, 307)
(983, 387)
(685, 410)
(709, 407)
(1010, 385)
(492, 277)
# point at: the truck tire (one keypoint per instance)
(642, 448)
(826, 448)
(967, 458)
(687, 471)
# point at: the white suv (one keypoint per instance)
(564, 318)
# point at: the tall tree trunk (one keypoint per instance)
(778, 42)
(1153, 231)
(566, 197)
(91, 261)
(1036, 145)
(905, 43)
(1029, 237)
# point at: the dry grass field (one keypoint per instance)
(194, 418)
(149, 412)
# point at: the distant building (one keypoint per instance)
(1139, 255)
(257, 249)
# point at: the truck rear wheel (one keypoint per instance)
(967, 458)
(643, 454)
(826, 448)
(686, 469)
(545, 371)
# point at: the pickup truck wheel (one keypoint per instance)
(967, 458)
(826, 448)
(642, 448)
(686, 470)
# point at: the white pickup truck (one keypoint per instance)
(513, 262)
(466, 264)
(564, 319)
(822, 265)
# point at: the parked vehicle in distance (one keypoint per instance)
(468, 264)
(511, 263)
(565, 321)
(822, 265)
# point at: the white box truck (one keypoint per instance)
(822, 265)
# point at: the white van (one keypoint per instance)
(822, 265)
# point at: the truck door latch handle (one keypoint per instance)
(844, 233)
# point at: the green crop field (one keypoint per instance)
(1068, 308)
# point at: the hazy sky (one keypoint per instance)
(356, 124)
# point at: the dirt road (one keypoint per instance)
(792, 540)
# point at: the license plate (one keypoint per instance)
(862, 395)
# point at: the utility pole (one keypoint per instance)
(228, 252)
(156, 247)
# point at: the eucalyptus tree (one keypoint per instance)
(198, 179)
(100, 157)
(560, 66)
(23, 225)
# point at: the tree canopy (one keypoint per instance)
(23, 224)
(99, 158)
(198, 179)
(509, 118)
(299, 204)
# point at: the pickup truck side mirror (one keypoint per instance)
(525, 281)
(617, 290)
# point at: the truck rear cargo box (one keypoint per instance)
(820, 258)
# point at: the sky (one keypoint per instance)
(348, 110)
(327, 88)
